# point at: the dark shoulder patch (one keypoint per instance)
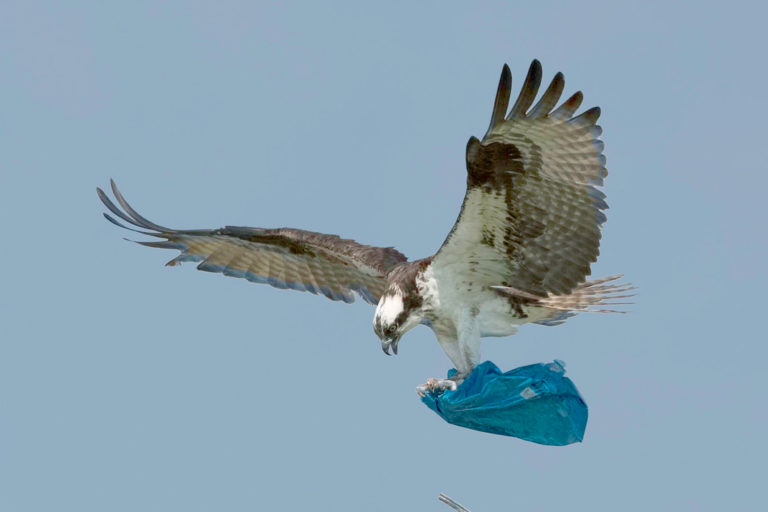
(491, 164)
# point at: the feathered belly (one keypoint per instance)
(497, 318)
(457, 306)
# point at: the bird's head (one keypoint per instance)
(396, 314)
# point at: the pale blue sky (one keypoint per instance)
(127, 386)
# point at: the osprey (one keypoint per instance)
(519, 252)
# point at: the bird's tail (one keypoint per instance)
(588, 297)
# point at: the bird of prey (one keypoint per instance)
(520, 251)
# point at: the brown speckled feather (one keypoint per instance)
(282, 257)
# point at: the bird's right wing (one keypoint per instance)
(532, 215)
(282, 257)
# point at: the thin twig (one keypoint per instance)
(458, 507)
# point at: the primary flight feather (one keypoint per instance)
(520, 251)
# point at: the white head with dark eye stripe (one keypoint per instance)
(396, 314)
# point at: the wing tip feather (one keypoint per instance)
(127, 213)
(528, 91)
(501, 101)
(545, 105)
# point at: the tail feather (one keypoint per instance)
(585, 298)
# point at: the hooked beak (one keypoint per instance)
(392, 342)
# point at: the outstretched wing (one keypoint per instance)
(283, 257)
(532, 213)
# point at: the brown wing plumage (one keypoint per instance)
(532, 213)
(282, 257)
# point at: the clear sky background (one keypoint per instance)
(127, 386)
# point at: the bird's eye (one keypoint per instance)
(390, 331)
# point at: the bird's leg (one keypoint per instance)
(464, 352)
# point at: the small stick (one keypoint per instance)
(455, 506)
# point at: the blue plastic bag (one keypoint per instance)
(536, 403)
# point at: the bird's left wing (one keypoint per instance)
(533, 210)
(283, 257)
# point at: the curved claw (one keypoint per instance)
(436, 385)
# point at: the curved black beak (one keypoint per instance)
(390, 343)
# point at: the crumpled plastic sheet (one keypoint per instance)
(537, 403)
